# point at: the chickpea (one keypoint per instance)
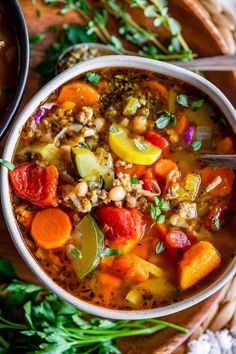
(99, 124)
(117, 193)
(140, 124)
(81, 189)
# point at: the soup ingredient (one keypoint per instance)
(188, 135)
(227, 179)
(178, 240)
(117, 223)
(197, 262)
(164, 119)
(88, 239)
(181, 122)
(215, 215)
(182, 100)
(164, 167)
(225, 146)
(85, 163)
(51, 228)
(128, 268)
(80, 93)
(130, 150)
(48, 324)
(117, 193)
(93, 78)
(36, 184)
(158, 140)
(45, 108)
(7, 164)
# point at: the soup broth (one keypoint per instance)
(109, 193)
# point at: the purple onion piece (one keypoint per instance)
(188, 135)
(45, 108)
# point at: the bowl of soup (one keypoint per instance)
(107, 200)
(14, 60)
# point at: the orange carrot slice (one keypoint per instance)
(181, 122)
(163, 167)
(80, 93)
(197, 262)
(51, 228)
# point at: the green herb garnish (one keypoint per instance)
(196, 145)
(36, 38)
(93, 78)
(156, 209)
(164, 119)
(139, 145)
(114, 129)
(160, 247)
(76, 253)
(111, 252)
(134, 180)
(182, 100)
(85, 145)
(217, 224)
(198, 103)
(7, 164)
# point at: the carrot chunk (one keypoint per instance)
(227, 179)
(163, 167)
(197, 262)
(80, 93)
(181, 122)
(157, 86)
(127, 268)
(51, 228)
(225, 146)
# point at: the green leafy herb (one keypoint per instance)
(37, 38)
(164, 119)
(85, 145)
(114, 129)
(76, 253)
(139, 145)
(217, 224)
(198, 103)
(182, 100)
(7, 164)
(156, 209)
(93, 78)
(160, 247)
(196, 145)
(160, 219)
(111, 252)
(134, 180)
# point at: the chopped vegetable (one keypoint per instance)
(227, 179)
(197, 262)
(93, 78)
(51, 228)
(215, 216)
(182, 100)
(150, 267)
(198, 103)
(38, 185)
(117, 223)
(181, 122)
(88, 239)
(45, 108)
(172, 101)
(106, 163)
(85, 163)
(163, 167)
(192, 185)
(136, 171)
(225, 146)
(188, 135)
(7, 164)
(126, 149)
(128, 268)
(158, 140)
(131, 107)
(164, 119)
(176, 239)
(157, 86)
(80, 93)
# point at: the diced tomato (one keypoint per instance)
(136, 171)
(118, 223)
(151, 183)
(158, 140)
(215, 216)
(148, 184)
(176, 239)
(161, 230)
(36, 184)
(225, 173)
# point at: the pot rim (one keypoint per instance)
(98, 63)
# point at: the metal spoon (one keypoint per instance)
(219, 160)
(217, 63)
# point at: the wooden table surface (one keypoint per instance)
(166, 341)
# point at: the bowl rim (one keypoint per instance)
(23, 44)
(108, 61)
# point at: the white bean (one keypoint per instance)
(140, 124)
(99, 124)
(81, 189)
(117, 193)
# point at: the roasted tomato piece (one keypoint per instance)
(117, 223)
(36, 184)
(158, 140)
(215, 216)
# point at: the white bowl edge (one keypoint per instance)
(102, 62)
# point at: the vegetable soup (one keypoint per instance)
(109, 193)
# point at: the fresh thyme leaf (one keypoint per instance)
(182, 100)
(174, 26)
(111, 252)
(198, 103)
(76, 253)
(156, 200)
(160, 247)
(217, 224)
(139, 145)
(116, 43)
(7, 164)
(114, 129)
(164, 119)
(93, 78)
(160, 219)
(134, 180)
(36, 38)
(196, 145)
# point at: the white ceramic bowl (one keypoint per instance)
(98, 63)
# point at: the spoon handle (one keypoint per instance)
(219, 160)
(217, 63)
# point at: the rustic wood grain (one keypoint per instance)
(203, 39)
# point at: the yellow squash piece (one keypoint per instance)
(132, 150)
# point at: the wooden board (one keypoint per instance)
(203, 39)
